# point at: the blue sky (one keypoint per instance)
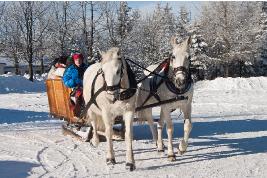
(148, 6)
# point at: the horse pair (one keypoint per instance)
(109, 92)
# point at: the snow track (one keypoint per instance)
(229, 138)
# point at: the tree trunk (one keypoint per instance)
(16, 65)
(64, 29)
(92, 32)
(226, 73)
(42, 64)
(29, 25)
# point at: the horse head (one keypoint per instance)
(112, 67)
(180, 61)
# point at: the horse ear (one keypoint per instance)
(119, 52)
(186, 42)
(103, 56)
(173, 40)
(101, 53)
(189, 40)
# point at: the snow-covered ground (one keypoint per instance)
(229, 137)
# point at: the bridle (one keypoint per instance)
(124, 95)
(184, 70)
(117, 86)
(127, 93)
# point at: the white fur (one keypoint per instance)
(104, 117)
(181, 52)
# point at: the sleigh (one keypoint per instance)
(58, 99)
(59, 105)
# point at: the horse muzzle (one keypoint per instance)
(114, 95)
(180, 82)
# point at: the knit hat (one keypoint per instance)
(77, 56)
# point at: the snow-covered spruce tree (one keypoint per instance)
(201, 63)
(167, 29)
(123, 24)
(158, 28)
(230, 29)
(183, 23)
(262, 63)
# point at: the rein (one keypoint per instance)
(129, 92)
(150, 72)
(170, 85)
(124, 95)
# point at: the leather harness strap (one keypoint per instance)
(172, 88)
(93, 95)
(127, 94)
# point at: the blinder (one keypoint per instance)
(114, 87)
(184, 70)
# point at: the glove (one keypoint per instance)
(78, 92)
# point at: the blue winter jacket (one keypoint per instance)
(73, 75)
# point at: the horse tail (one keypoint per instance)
(141, 116)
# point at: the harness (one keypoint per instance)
(157, 80)
(124, 95)
(160, 77)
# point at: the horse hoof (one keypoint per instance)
(110, 161)
(130, 166)
(182, 146)
(171, 157)
(180, 152)
(160, 151)
(93, 144)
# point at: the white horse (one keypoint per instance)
(103, 86)
(179, 76)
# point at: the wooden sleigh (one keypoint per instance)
(59, 105)
(58, 99)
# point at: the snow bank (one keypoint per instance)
(253, 83)
(10, 83)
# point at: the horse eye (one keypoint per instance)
(173, 57)
(118, 72)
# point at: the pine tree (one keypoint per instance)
(263, 42)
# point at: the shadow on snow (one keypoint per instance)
(16, 169)
(208, 133)
(16, 116)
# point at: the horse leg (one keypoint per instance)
(187, 129)
(169, 127)
(150, 121)
(160, 125)
(95, 139)
(128, 118)
(108, 132)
